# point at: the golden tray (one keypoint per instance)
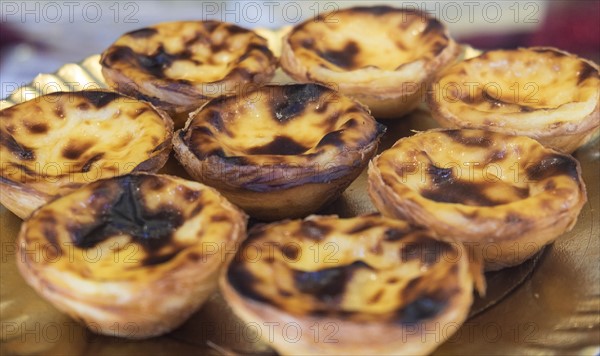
(548, 305)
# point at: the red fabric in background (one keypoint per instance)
(573, 26)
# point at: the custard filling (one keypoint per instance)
(190, 53)
(366, 269)
(78, 137)
(523, 89)
(131, 228)
(292, 124)
(478, 169)
(378, 37)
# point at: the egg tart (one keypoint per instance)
(366, 285)
(504, 196)
(544, 93)
(55, 143)
(178, 66)
(279, 151)
(382, 56)
(131, 256)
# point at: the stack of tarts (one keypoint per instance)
(278, 152)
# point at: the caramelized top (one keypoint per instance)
(519, 91)
(293, 124)
(69, 138)
(475, 169)
(366, 268)
(131, 227)
(365, 43)
(192, 57)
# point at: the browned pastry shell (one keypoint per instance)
(504, 196)
(55, 143)
(178, 66)
(280, 151)
(544, 93)
(132, 256)
(382, 56)
(361, 286)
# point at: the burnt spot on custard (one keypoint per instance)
(446, 188)
(420, 310)
(91, 161)
(59, 111)
(154, 64)
(98, 98)
(263, 49)
(191, 195)
(494, 102)
(143, 33)
(314, 230)
(327, 285)
(433, 26)
(467, 193)
(550, 185)
(308, 43)
(376, 297)
(525, 108)
(396, 234)
(280, 145)
(127, 214)
(215, 119)
(484, 140)
(245, 282)
(74, 150)
(586, 71)
(426, 250)
(553, 165)
(138, 112)
(291, 251)
(48, 225)
(37, 128)
(344, 58)
(290, 101)
(83, 106)
(361, 227)
(333, 138)
(22, 152)
(374, 10)
(512, 218)
(439, 175)
(210, 26)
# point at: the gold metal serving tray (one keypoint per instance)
(548, 305)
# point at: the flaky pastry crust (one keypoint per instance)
(544, 93)
(55, 143)
(370, 285)
(132, 256)
(382, 56)
(504, 196)
(279, 151)
(178, 66)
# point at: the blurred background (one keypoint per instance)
(40, 36)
